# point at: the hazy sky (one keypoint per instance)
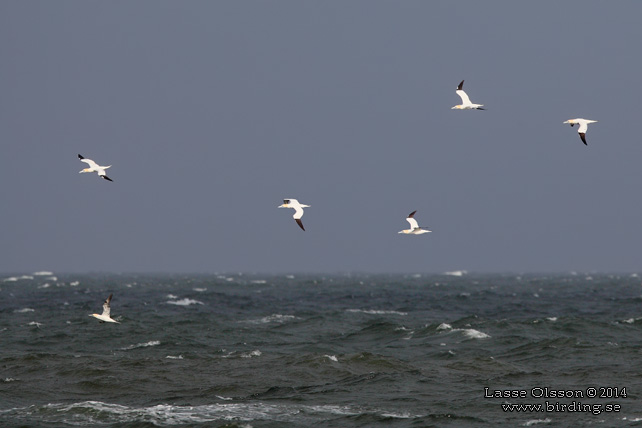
(212, 112)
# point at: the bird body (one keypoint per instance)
(414, 226)
(298, 209)
(94, 167)
(466, 104)
(105, 316)
(583, 123)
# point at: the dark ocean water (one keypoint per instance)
(323, 351)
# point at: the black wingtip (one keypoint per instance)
(80, 157)
(461, 85)
(298, 221)
(479, 108)
(582, 136)
(107, 178)
(412, 213)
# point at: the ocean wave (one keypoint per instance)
(537, 421)
(471, 333)
(274, 318)
(17, 278)
(185, 302)
(92, 412)
(376, 312)
(23, 310)
(141, 345)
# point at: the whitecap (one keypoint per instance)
(552, 319)
(24, 310)
(332, 358)
(258, 281)
(174, 357)
(456, 273)
(74, 283)
(171, 296)
(43, 273)
(86, 413)
(278, 318)
(255, 353)
(471, 333)
(45, 285)
(11, 279)
(141, 345)
(200, 290)
(26, 277)
(185, 302)
(37, 324)
(537, 421)
(444, 326)
(52, 278)
(289, 276)
(377, 312)
(9, 379)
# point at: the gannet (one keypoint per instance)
(583, 127)
(94, 167)
(298, 209)
(465, 101)
(414, 226)
(104, 317)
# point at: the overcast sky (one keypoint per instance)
(212, 112)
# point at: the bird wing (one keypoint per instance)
(106, 307)
(464, 97)
(583, 137)
(413, 223)
(91, 163)
(298, 221)
(298, 211)
(104, 176)
(583, 128)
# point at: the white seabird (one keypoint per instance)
(106, 312)
(465, 101)
(414, 226)
(583, 127)
(298, 210)
(94, 167)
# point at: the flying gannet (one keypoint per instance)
(583, 127)
(94, 167)
(298, 209)
(104, 317)
(465, 101)
(414, 226)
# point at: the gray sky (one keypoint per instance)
(212, 112)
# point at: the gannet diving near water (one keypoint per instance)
(465, 101)
(298, 210)
(104, 317)
(414, 226)
(583, 127)
(94, 167)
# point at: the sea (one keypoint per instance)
(456, 349)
